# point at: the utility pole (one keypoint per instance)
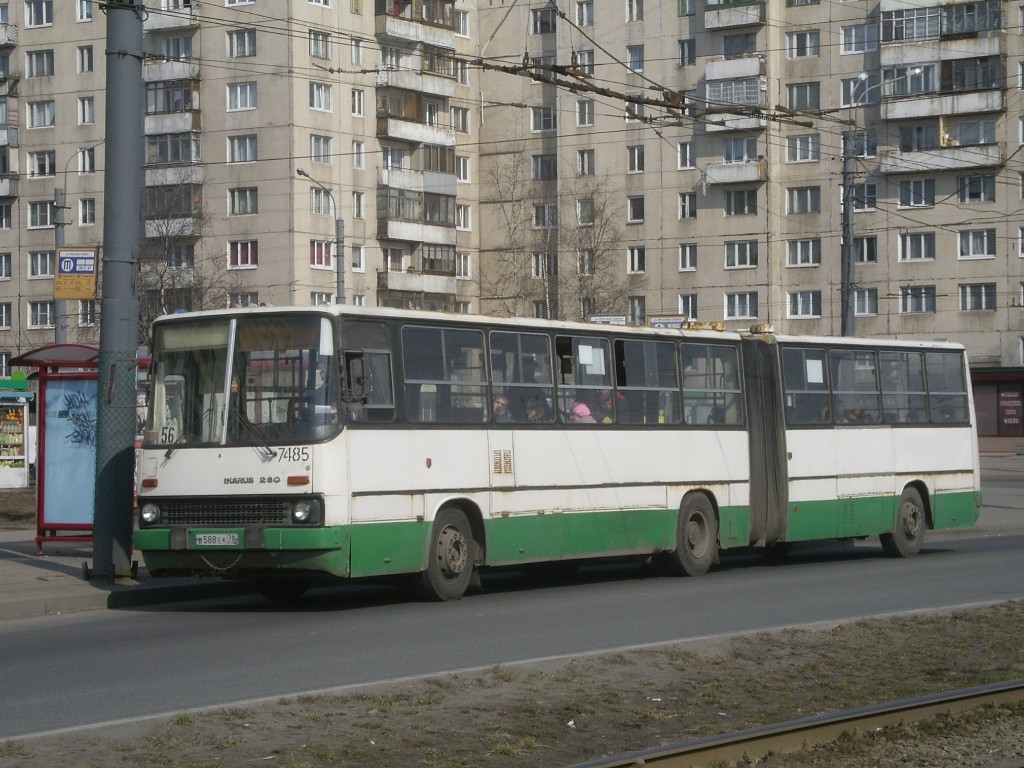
(119, 324)
(846, 257)
(60, 307)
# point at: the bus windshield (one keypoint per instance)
(248, 380)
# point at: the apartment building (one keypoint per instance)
(788, 162)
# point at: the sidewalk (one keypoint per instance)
(53, 583)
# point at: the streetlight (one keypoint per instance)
(847, 256)
(339, 238)
(59, 205)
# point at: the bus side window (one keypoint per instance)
(805, 387)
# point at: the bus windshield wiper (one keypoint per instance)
(254, 430)
(174, 445)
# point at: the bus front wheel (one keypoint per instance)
(696, 537)
(908, 533)
(450, 561)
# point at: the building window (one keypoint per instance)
(40, 314)
(635, 57)
(864, 197)
(688, 52)
(917, 246)
(634, 112)
(803, 148)
(635, 159)
(357, 205)
(243, 201)
(463, 265)
(585, 112)
(801, 44)
(637, 309)
(740, 306)
(740, 150)
(687, 205)
(6, 214)
(634, 10)
(40, 214)
(859, 38)
(917, 299)
(87, 211)
(684, 155)
(38, 13)
(740, 202)
(357, 260)
(865, 301)
(87, 313)
(163, 148)
(977, 296)
(636, 259)
(585, 62)
(739, 46)
(804, 95)
(585, 13)
(688, 306)
(242, 149)
(634, 209)
(545, 215)
(319, 298)
(87, 160)
(687, 257)
(319, 44)
(42, 163)
(86, 110)
(462, 23)
(461, 168)
(39, 63)
(463, 217)
(241, 43)
(40, 264)
(243, 254)
(5, 316)
(42, 114)
(320, 202)
(358, 154)
(543, 21)
(862, 144)
(356, 51)
(740, 254)
(585, 212)
(686, 7)
(804, 199)
(181, 256)
(804, 304)
(84, 10)
(5, 266)
(460, 119)
(320, 149)
(320, 97)
(544, 264)
(976, 189)
(244, 299)
(977, 243)
(865, 249)
(803, 252)
(320, 254)
(917, 193)
(358, 102)
(585, 162)
(85, 57)
(858, 92)
(585, 261)
(543, 119)
(746, 91)
(241, 96)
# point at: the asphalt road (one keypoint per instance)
(79, 669)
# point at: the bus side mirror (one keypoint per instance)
(357, 378)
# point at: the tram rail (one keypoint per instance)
(789, 736)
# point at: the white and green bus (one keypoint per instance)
(282, 444)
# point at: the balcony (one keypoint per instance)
(930, 105)
(736, 173)
(943, 159)
(9, 85)
(418, 181)
(415, 132)
(155, 19)
(179, 69)
(9, 185)
(722, 15)
(8, 136)
(734, 69)
(414, 80)
(423, 21)
(174, 175)
(415, 281)
(414, 232)
(8, 35)
(173, 122)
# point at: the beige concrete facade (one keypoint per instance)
(464, 186)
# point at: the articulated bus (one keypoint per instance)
(283, 444)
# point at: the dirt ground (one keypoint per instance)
(570, 711)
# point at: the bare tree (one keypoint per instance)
(173, 272)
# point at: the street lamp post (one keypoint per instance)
(847, 255)
(339, 239)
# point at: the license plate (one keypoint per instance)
(216, 539)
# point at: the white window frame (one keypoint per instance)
(917, 299)
(803, 148)
(242, 96)
(977, 297)
(688, 305)
(803, 304)
(687, 257)
(357, 259)
(243, 148)
(917, 246)
(40, 314)
(87, 211)
(636, 260)
(685, 156)
(865, 302)
(741, 254)
(358, 102)
(41, 265)
(741, 305)
(803, 252)
(803, 43)
(635, 209)
(320, 96)
(977, 244)
(635, 158)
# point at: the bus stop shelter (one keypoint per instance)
(66, 426)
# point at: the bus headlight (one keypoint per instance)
(149, 513)
(305, 511)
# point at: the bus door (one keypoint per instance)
(766, 433)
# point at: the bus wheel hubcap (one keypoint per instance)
(696, 535)
(452, 552)
(911, 520)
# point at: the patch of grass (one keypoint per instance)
(183, 720)
(508, 745)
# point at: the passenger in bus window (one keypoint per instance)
(499, 410)
(604, 409)
(580, 414)
(537, 411)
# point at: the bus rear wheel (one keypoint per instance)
(907, 535)
(696, 538)
(450, 561)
